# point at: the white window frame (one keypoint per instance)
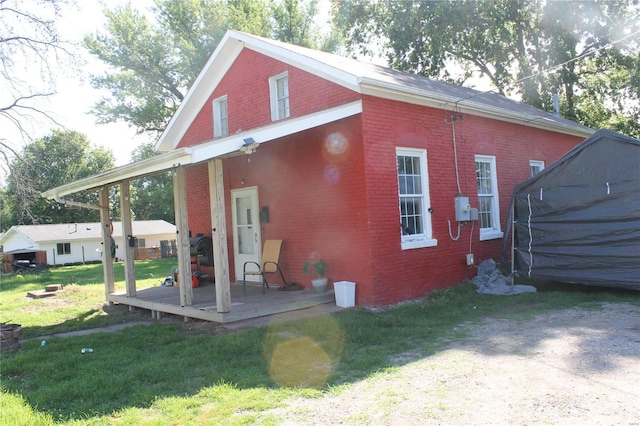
(539, 164)
(277, 100)
(220, 117)
(425, 238)
(64, 247)
(494, 230)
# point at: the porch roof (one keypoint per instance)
(227, 146)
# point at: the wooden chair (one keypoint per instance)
(268, 265)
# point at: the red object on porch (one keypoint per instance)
(195, 281)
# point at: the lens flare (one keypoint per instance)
(331, 175)
(304, 354)
(336, 143)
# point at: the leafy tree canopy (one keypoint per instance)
(45, 163)
(583, 50)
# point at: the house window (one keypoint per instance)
(220, 117)
(413, 193)
(536, 167)
(489, 208)
(141, 243)
(279, 92)
(63, 248)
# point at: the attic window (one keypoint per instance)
(279, 93)
(220, 117)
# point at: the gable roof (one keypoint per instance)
(86, 231)
(362, 77)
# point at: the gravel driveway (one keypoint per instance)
(563, 367)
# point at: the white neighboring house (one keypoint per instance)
(80, 242)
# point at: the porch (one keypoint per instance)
(254, 304)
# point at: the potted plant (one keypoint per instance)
(316, 268)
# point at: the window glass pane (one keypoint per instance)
(409, 175)
(402, 184)
(224, 127)
(244, 225)
(534, 170)
(483, 175)
(282, 89)
(417, 184)
(401, 165)
(220, 117)
(485, 211)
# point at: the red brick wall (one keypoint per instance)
(405, 274)
(246, 85)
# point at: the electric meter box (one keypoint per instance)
(463, 209)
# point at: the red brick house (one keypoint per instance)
(352, 162)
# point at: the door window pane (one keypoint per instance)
(245, 227)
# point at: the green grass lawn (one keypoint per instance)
(157, 375)
(82, 303)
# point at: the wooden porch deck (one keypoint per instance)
(255, 304)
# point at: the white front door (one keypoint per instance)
(246, 229)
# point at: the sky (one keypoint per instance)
(75, 98)
(74, 95)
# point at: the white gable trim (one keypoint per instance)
(403, 94)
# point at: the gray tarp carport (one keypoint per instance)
(578, 221)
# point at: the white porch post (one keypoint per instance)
(105, 222)
(129, 264)
(182, 237)
(219, 237)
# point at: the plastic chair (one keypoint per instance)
(268, 265)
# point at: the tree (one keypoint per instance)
(152, 196)
(29, 46)
(45, 163)
(523, 47)
(152, 65)
(294, 23)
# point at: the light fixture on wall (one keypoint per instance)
(249, 146)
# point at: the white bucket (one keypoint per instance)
(345, 292)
